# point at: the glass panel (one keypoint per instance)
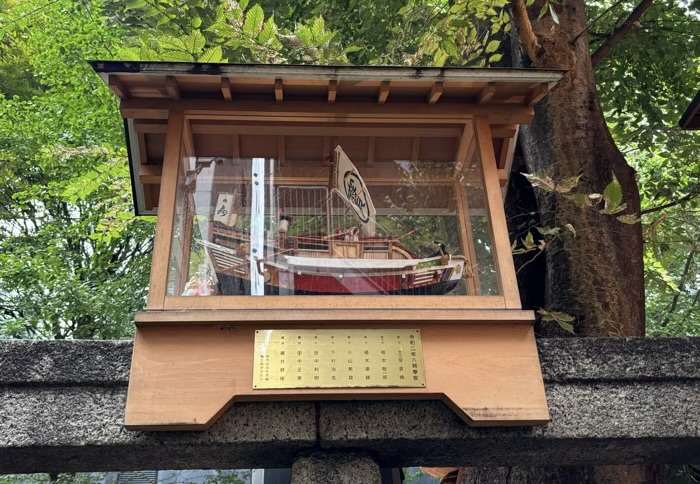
(261, 226)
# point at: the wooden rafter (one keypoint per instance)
(435, 93)
(487, 93)
(172, 88)
(536, 94)
(332, 90)
(279, 94)
(118, 87)
(226, 88)
(383, 93)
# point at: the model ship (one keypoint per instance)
(341, 261)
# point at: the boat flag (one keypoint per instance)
(350, 185)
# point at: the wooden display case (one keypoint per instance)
(296, 198)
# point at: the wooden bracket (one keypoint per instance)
(185, 377)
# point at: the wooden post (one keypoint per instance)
(497, 216)
(166, 212)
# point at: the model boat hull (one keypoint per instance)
(308, 285)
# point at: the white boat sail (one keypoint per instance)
(350, 187)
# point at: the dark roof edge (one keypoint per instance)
(329, 72)
(691, 112)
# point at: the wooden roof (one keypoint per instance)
(385, 84)
(277, 106)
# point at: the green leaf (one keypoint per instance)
(630, 219)
(564, 320)
(555, 17)
(212, 54)
(268, 31)
(612, 195)
(495, 58)
(194, 43)
(196, 22)
(541, 180)
(134, 4)
(492, 46)
(318, 27)
(243, 4)
(568, 184)
(253, 21)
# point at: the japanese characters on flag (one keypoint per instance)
(352, 188)
(224, 212)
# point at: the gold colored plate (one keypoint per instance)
(337, 358)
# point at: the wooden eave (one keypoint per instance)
(287, 97)
(691, 117)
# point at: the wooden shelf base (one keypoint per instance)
(184, 377)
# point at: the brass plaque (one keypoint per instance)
(337, 358)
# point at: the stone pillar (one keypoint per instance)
(338, 468)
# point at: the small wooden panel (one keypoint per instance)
(184, 377)
(332, 90)
(166, 211)
(383, 93)
(435, 93)
(496, 215)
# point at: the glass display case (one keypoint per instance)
(331, 226)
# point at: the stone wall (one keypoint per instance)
(612, 401)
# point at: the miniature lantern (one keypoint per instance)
(327, 233)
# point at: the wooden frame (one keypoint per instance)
(476, 133)
(193, 356)
(184, 377)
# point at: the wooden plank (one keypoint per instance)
(279, 93)
(226, 88)
(280, 150)
(166, 212)
(172, 88)
(118, 87)
(497, 217)
(332, 90)
(370, 150)
(322, 112)
(465, 143)
(487, 93)
(327, 155)
(383, 93)
(286, 317)
(466, 236)
(150, 174)
(504, 130)
(184, 378)
(345, 131)
(435, 93)
(149, 128)
(236, 151)
(290, 303)
(536, 94)
(415, 149)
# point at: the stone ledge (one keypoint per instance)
(613, 401)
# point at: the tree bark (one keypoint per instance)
(597, 275)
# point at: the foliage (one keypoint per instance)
(73, 260)
(71, 254)
(230, 31)
(645, 84)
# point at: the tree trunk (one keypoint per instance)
(597, 275)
